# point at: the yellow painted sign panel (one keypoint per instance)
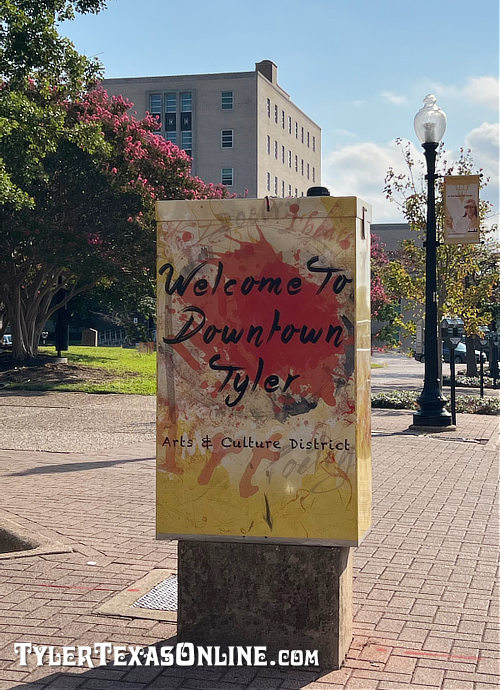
(263, 429)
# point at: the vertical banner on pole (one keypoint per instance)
(461, 207)
(263, 424)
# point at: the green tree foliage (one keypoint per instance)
(78, 176)
(467, 275)
(39, 69)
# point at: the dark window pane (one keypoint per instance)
(185, 121)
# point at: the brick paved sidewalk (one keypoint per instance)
(424, 609)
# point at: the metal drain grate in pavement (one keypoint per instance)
(163, 597)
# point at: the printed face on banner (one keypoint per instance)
(256, 390)
(461, 199)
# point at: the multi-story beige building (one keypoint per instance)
(241, 128)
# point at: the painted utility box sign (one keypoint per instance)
(263, 428)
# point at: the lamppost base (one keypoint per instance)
(432, 429)
(438, 420)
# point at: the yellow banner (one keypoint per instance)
(264, 370)
(461, 209)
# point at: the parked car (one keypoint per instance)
(7, 339)
(460, 354)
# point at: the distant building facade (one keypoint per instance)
(392, 234)
(241, 129)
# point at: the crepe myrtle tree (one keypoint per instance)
(92, 212)
(384, 303)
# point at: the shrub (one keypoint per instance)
(468, 381)
(407, 400)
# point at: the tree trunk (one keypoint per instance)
(25, 326)
(471, 355)
(30, 307)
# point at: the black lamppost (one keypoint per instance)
(430, 124)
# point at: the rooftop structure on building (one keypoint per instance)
(240, 128)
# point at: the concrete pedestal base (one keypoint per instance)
(278, 596)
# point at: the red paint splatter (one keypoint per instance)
(215, 459)
(186, 236)
(345, 244)
(317, 364)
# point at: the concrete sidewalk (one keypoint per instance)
(425, 613)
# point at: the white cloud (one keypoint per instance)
(344, 133)
(360, 170)
(482, 91)
(393, 98)
(484, 144)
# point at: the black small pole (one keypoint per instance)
(452, 343)
(452, 386)
(482, 345)
(481, 374)
(481, 377)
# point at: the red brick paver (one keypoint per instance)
(425, 614)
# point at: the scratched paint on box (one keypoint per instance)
(258, 359)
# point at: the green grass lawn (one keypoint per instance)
(117, 370)
(135, 371)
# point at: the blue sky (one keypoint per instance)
(359, 68)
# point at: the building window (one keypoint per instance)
(268, 144)
(276, 149)
(226, 176)
(227, 100)
(268, 181)
(283, 119)
(186, 102)
(308, 171)
(296, 192)
(308, 140)
(171, 115)
(186, 111)
(289, 190)
(187, 142)
(314, 143)
(268, 107)
(276, 114)
(283, 155)
(302, 166)
(296, 164)
(275, 186)
(155, 107)
(302, 134)
(289, 125)
(283, 189)
(314, 174)
(226, 138)
(296, 130)
(171, 136)
(289, 159)
(170, 102)
(171, 122)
